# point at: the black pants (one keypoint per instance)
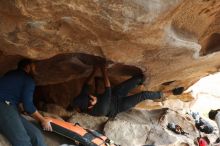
(124, 102)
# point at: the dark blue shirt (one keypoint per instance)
(17, 86)
(101, 108)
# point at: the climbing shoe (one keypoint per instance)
(178, 90)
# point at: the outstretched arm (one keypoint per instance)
(89, 78)
(45, 123)
(105, 76)
(103, 100)
(78, 101)
(29, 107)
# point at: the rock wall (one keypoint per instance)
(171, 40)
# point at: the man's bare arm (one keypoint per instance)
(45, 123)
(90, 77)
(105, 76)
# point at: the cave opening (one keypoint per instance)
(61, 78)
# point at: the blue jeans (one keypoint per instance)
(17, 129)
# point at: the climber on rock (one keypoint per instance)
(17, 86)
(115, 99)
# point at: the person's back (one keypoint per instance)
(17, 86)
(11, 85)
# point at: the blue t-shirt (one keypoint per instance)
(17, 86)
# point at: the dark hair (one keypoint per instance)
(213, 113)
(23, 63)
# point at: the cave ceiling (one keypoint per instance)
(173, 42)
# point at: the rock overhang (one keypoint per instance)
(172, 40)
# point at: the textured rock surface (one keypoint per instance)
(135, 128)
(3, 141)
(171, 40)
(90, 122)
(142, 127)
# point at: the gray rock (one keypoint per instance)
(139, 128)
(90, 122)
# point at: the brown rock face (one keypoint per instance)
(173, 42)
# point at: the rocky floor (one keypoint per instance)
(136, 128)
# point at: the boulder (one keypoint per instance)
(90, 122)
(140, 127)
